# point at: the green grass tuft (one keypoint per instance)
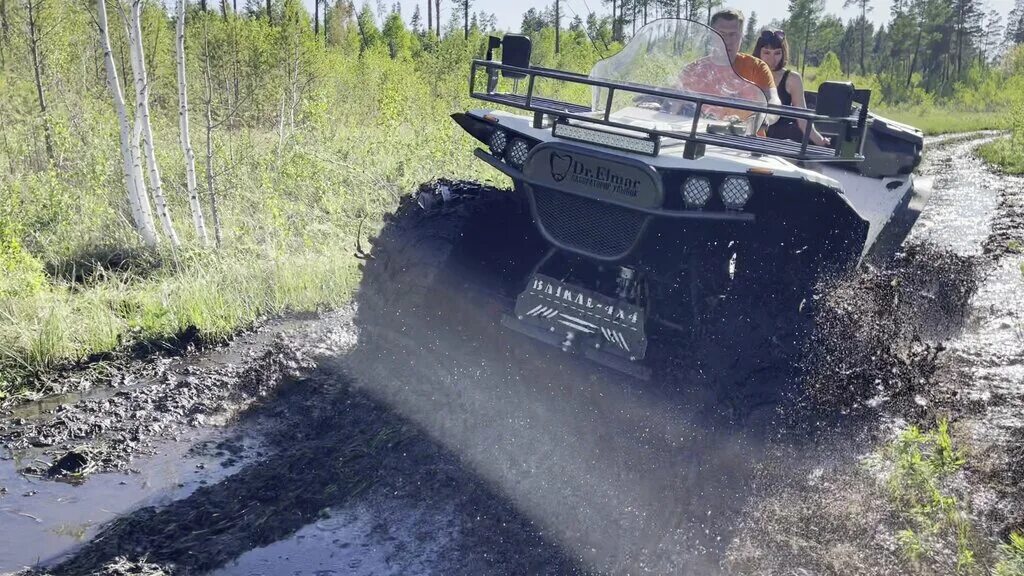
(1011, 557)
(1005, 154)
(923, 462)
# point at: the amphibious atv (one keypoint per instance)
(660, 201)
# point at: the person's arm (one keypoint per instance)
(795, 86)
(771, 93)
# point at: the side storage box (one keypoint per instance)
(890, 148)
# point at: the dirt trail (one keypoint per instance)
(438, 443)
(936, 336)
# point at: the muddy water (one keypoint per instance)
(42, 518)
(965, 364)
(514, 458)
(138, 466)
(960, 211)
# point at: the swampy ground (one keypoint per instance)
(411, 434)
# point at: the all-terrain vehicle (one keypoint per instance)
(661, 202)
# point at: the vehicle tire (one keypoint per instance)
(423, 260)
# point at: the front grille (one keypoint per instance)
(586, 225)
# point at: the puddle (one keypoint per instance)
(377, 535)
(959, 213)
(42, 519)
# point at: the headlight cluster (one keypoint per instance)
(734, 191)
(517, 152)
(696, 191)
(513, 150)
(498, 142)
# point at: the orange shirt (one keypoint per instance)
(755, 70)
(742, 80)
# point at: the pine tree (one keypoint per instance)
(803, 17)
(862, 24)
(369, 35)
(416, 20)
(395, 35)
(750, 35)
(558, 28)
(1015, 24)
(465, 4)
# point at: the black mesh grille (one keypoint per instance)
(587, 225)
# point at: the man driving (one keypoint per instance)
(716, 74)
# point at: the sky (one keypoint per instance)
(510, 14)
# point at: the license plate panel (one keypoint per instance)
(597, 321)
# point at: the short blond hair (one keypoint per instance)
(727, 14)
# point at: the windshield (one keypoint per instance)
(679, 56)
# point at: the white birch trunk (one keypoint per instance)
(186, 143)
(142, 97)
(214, 214)
(137, 199)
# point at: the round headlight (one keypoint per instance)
(497, 142)
(517, 152)
(735, 192)
(696, 191)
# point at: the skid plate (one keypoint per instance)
(582, 318)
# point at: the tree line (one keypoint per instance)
(74, 69)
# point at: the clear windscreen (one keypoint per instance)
(679, 56)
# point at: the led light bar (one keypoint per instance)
(603, 138)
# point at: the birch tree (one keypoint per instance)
(211, 192)
(145, 129)
(5, 32)
(33, 7)
(138, 200)
(186, 143)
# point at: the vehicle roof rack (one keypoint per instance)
(850, 126)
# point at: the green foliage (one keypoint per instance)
(312, 142)
(1011, 557)
(368, 33)
(20, 273)
(830, 69)
(1008, 153)
(922, 464)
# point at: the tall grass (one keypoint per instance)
(372, 130)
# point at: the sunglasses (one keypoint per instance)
(769, 34)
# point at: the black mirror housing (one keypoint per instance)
(835, 99)
(515, 51)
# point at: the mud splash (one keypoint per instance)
(934, 333)
(446, 446)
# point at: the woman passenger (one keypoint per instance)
(774, 50)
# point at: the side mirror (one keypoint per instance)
(515, 51)
(834, 99)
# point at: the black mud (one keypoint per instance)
(929, 335)
(327, 446)
(102, 428)
(411, 435)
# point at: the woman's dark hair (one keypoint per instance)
(773, 39)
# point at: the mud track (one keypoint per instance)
(411, 434)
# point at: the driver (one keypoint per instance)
(716, 74)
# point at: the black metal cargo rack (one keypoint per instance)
(849, 129)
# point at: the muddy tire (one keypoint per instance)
(420, 257)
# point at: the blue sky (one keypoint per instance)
(510, 13)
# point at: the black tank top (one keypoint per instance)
(784, 95)
(785, 128)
